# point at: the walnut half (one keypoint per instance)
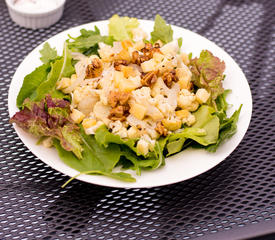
(94, 69)
(169, 78)
(149, 79)
(119, 113)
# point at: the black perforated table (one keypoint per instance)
(235, 200)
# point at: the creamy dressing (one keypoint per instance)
(36, 5)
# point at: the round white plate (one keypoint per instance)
(184, 165)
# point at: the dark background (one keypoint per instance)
(235, 200)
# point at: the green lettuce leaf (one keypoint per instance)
(207, 72)
(47, 53)
(228, 126)
(50, 118)
(96, 158)
(205, 131)
(104, 138)
(120, 28)
(162, 31)
(87, 42)
(61, 67)
(31, 82)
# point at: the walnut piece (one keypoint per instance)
(118, 63)
(116, 98)
(169, 78)
(119, 103)
(148, 51)
(138, 59)
(119, 113)
(94, 69)
(149, 79)
(161, 129)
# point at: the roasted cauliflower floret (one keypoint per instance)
(187, 100)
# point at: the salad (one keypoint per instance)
(125, 101)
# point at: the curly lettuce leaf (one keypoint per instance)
(87, 42)
(162, 31)
(120, 28)
(47, 53)
(50, 118)
(96, 158)
(207, 72)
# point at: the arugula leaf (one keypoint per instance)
(207, 72)
(120, 28)
(87, 42)
(96, 158)
(162, 31)
(47, 53)
(31, 82)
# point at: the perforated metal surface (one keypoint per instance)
(233, 200)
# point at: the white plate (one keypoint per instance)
(182, 166)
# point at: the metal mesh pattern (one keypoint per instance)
(233, 199)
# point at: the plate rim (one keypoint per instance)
(115, 185)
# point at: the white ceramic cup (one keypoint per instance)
(35, 19)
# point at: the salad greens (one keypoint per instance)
(120, 28)
(45, 111)
(162, 31)
(207, 72)
(87, 42)
(47, 53)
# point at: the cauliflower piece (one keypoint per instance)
(142, 147)
(118, 129)
(187, 100)
(139, 34)
(77, 116)
(126, 84)
(106, 52)
(202, 95)
(190, 120)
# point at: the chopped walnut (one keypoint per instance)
(116, 98)
(161, 129)
(119, 113)
(149, 50)
(169, 78)
(138, 59)
(118, 63)
(149, 79)
(94, 69)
